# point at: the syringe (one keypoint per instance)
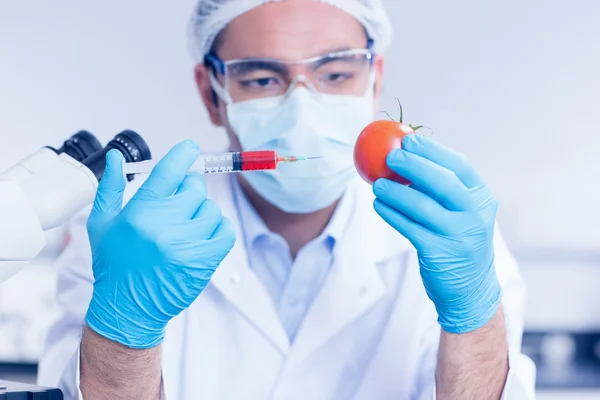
(238, 161)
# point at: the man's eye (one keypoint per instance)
(337, 77)
(260, 83)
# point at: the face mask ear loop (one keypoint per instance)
(371, 87)
(219, 89)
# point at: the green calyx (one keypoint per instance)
(414, 128)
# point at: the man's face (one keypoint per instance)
(290, 30)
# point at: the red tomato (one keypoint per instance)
(374, 144)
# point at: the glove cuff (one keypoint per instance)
(475, 311)
(115, 325)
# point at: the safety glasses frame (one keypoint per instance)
(212, 60)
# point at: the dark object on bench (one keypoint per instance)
(20, 391)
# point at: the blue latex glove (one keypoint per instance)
(152, 258)
(448, 214)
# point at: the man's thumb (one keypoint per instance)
(109, 197)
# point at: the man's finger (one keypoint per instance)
(109, 197)
(213, 249)
(432, 179)
(225, 234)
(415, 205)
(207, 219)
(170, 171)
(443, 156)
(191, 194)
(415, 233)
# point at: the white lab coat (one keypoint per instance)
(370, 334)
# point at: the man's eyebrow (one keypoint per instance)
(257, 65)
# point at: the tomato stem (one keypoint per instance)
(415, 128)
(401, 111)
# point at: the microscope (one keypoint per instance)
(44, 191)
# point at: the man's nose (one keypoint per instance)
(301, 81)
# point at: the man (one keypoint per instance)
(319, 298)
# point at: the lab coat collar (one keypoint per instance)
(253, 227)
(352, 287)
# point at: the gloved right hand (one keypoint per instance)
(152, 258)
(449, 215)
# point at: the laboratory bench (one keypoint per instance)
(21, 391)
(568, 365)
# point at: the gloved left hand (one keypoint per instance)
(153, 257)
(448, 214)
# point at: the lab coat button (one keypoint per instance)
(235, 278)
(295, 302)
(362, 291)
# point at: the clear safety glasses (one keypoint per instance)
(344, 72)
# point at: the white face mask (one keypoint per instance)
(303, 123)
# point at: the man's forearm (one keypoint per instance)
(474, 365)
(110, 370)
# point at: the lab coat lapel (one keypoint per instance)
(236, 281)
(354, 284)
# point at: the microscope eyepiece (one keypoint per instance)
(80, 146)
(129, 143)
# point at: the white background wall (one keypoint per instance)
(513, 84)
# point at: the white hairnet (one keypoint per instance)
(211, 16)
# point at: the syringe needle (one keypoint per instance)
(296, 158)
(308, 158)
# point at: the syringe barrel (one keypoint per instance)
(258, 160)
(237, 161)
(219, 163)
